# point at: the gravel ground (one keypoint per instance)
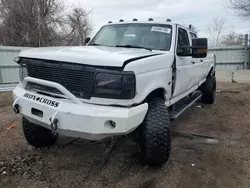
(196, 161)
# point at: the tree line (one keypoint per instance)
(241, 8)
(38, 23)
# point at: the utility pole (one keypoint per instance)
(246, 57)
(1, 79)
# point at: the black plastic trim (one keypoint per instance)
(138, 58)
(93, 69)
(65, 63)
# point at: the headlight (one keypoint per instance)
(23, 72)
(115, 86)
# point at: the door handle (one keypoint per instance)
(193, 62)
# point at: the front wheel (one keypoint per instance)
(38, 136)
(155, 134)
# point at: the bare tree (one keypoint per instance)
(215, 29)
(30, 22)
(41, 23)
(242, 7)
(79, 24)
(232, 38)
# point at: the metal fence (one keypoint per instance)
(9, 70)
(231, 57)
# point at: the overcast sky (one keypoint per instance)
(195, 12)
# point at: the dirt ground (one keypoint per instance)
(211, 148)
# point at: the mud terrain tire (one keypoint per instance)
(155, 134)
(38, 136)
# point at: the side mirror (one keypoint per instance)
(199, 48)
(87, 39)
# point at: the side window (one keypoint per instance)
(193, 36)
(183, 39)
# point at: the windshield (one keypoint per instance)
(148, 36)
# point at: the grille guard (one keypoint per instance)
(57, 86)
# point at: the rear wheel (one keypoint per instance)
(38, 136)
(155, 134)
(208, 90)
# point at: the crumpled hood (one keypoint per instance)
(91, 55)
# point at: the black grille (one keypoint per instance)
(77, 78)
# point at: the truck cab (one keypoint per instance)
(163, 40)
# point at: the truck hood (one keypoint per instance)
(91, 55)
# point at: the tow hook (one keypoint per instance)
(16, 108)
(53, 124)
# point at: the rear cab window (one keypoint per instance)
(183, 38)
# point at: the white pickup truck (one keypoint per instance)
(132, 77)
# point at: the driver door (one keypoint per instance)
(185, 68)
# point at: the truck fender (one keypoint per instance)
(211, 70)
(154, 80)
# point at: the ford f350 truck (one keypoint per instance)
(131, 77)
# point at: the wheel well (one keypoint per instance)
(210, 71)
(160, 93)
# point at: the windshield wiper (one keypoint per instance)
(133, 46)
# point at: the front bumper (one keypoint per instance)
(75, 118)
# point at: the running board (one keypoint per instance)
(181, 109)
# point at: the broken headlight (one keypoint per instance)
(115, 86)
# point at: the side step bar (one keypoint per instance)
(181, 109)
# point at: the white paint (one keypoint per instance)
(91, 55)
(84, 120)
(190, 72)
(182, 95)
